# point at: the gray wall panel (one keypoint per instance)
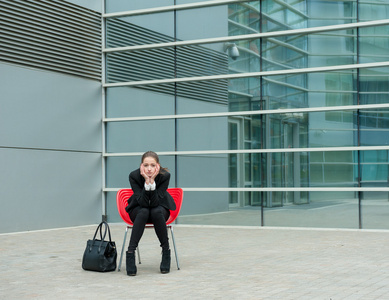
(48, 189)
(40, 112)
(50, 138)
(41, 109)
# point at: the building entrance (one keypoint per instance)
(244, 169)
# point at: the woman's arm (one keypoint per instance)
(149, 198)
(137, 185)
(162, 183)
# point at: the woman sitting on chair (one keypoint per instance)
(150, 203)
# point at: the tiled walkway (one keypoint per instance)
(216, 263)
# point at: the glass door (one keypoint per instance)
(234, 160)
(290, 163)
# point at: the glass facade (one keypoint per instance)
(267, 113)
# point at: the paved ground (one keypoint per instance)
(216, 263)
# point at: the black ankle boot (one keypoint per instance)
(130, 263)
(165, 263)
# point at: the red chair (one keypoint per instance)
(121, 201)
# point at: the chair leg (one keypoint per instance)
(174, 246)
(137, 250)
(124, 243)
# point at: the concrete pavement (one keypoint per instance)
(216, 263)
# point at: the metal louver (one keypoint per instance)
(164, 63)
(52, 35)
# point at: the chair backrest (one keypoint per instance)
(123, 195)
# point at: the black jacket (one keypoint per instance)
(144, 198)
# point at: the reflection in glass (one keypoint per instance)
(284, 131)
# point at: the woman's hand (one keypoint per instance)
(143, 173)
(157, 168)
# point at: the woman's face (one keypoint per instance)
(150, 164)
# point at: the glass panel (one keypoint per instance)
(288, 130)
(373, 10)
(137, 102)
(202, 134)
(336, 168)
(202, 23)
(203, 171)
(374, 168)
(141, 136)
(374, 125)
(280, 15)
(313, 209)
(324, 210)
(229, 58)
(243, 18)
(324, 12)
(278, 92)
(199, 208)
(132, 31)
(375, 210)
(374, 85)
(118, 169)
(118, 6)
(275, 131)
(374, 45)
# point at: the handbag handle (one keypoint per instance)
(99, 228)
(105, 232)
(102, 237)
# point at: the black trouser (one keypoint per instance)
(155, 215)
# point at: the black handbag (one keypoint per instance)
(100, 255)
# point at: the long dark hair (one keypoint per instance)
(155, 156)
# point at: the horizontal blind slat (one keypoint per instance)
(51, 35)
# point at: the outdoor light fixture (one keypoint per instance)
(232, 50)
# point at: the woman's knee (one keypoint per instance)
(144, 212)
(159, 213)
(141, 213)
